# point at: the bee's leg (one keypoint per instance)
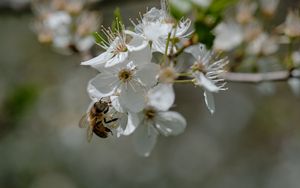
(108, 130)
(109, 121)
(106, 110)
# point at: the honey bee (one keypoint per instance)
(97, 118)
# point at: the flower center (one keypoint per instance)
(121, 48)
(167, 75)
(125, 75)
(149, 113)
(198, 66)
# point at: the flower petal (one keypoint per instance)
(154, 30)
(116, 104)
(116, 59)
(94, 94)
(197, 51)
(209, 101)
(137, 42)
(99, 61)
(134, 120)
(147, 74)
(132, 97)
(144, 139)
(161, 97)
(141, 57)
(105, 82)
(201, 80)
(170, 123)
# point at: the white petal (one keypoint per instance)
(105, 82)
(295, 85)
(147, 74)
(161, 97)
(144, 139)
(84, 44)
(117, 59)
(197, 51)
(116, 104)
(99, 61)
(228, 36)
(94, 94)
(155, 30)
(202, 3)
(134, 120)
(170, 123)
(122, 124)
(182, 27)
(159, 45)
(209, 101)
(201, 80)
(141, 57)
(132, 97)
(137, 42)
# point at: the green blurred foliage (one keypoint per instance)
(16, 104)
(117, 21)
(206, 18)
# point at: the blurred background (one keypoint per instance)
(253, 139)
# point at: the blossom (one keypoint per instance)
(269, 6)
(228, 35)
(118, 46)
(155, 119)
(129, 81)
(202, 3)
(291, 27)
(262, 44)
(64, 25)
(157, 24)
(206, 71)
(245, 11)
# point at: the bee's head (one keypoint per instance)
(100, 106)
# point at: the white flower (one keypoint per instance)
(118, 46)
(269, 6)
(294, 83)
(58, 21)
(129, 81)
(157, 24)
(245, 11)
(292, 24)
(206, 71)
(296, 58)
(155, 119)
(262, 44)
(202, 3)
(228, 36)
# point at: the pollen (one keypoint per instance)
(125, 75)
(167, 75)
(198, 66)
(149, 113)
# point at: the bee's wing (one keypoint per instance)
(83, 122)
(89, 133)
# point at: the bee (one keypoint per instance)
(97, 118)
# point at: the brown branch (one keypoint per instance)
(260, 77)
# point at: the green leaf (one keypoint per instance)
(117, 24)
(98, 38)
(204, 33)
(219, 6)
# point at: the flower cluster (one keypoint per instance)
(65, 24)
(255, 45)
(138, 69)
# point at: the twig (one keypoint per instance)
(260, 77)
